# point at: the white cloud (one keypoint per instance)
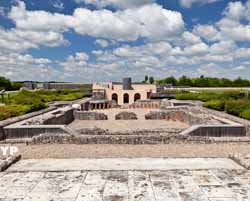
(223, 47)
(207, 32)
(231, 25)
(57, 4)
(240, 68)
(189, 3)
(149, 21)
(190, 38)
(19, 67)
(103, 43)
(236, 10)
(15, 40)
(197, 49)
(116, 3)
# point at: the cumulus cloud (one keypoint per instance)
(116, 3)
(207, 32)
(16, 40)
(149, 21)
(167, 49)
(103, 43)
(19, 67)
(189, 3)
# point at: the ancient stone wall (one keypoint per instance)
(146, 104)
(21, 118)
(215, 131)
(32, 130)
(182, 115)
(81, 115)
(62, 118)
(239, 120)
(126, 116)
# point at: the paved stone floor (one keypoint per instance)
(218, 184)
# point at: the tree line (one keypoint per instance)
(203, 81)
(8, 85)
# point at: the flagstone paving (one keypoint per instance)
(219, 184)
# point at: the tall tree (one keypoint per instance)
(151, 80)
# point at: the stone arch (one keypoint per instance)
(115, 97)
(137, 96)
(125, 98)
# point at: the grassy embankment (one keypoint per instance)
(233, 102)
(24, 102)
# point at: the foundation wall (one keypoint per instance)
(59, 119)
(215, 131)
(31, 131)
(13, 120)
(81, 115)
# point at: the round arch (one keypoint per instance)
(125, 98)
(115, 97)
(137, 96)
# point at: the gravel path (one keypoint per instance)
(111, 151)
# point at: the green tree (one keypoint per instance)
(146, 79)
(151, 80)
(184, 81)
(169, 80)
(5, 84)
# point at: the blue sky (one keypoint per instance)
(102, 40)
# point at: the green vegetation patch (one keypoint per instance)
(24, 102)
(233, 102)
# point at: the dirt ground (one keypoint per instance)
(130, 151)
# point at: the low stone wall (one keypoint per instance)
(32, 130)
(105, 139)
(215, 131)
(128, 139)
(146, 104)
(81, 115)
(182, 114)
(239, 120)
(176, 115)
(126, 116)
(21, 118)
(65, 117)
(98, 131)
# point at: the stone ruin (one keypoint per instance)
(182, 115)
(81, 115)
(53, 126)
(126, 116)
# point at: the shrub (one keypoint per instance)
(236, 107)
(245, 114)
(215, 104)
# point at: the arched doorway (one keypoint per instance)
(115, 97)
(125, 98)
(137, 96)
